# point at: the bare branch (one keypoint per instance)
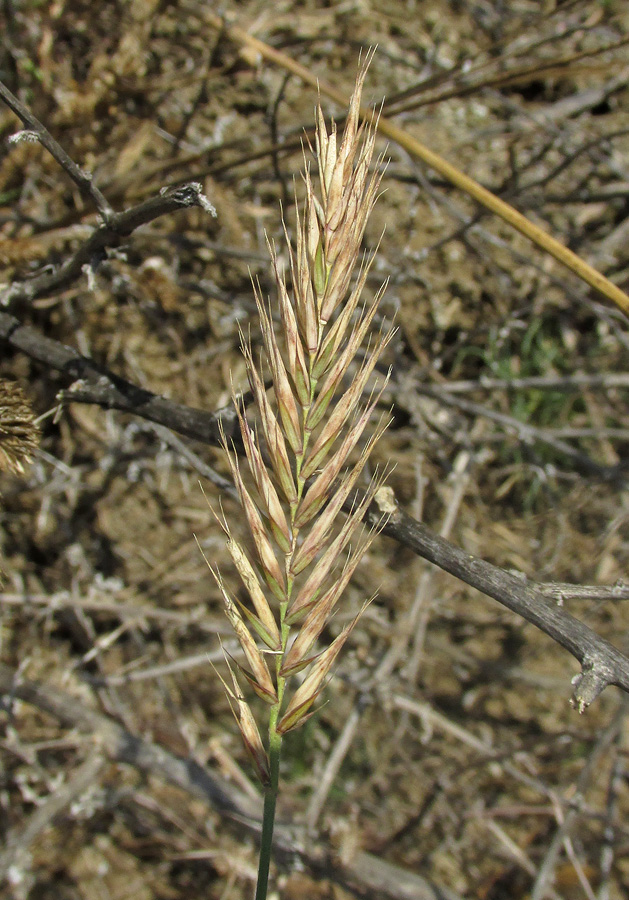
(601, 663)
(83, 180)
(109, 235)
(95, 384)
(561, 591)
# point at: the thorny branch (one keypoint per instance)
(109, 235)
(115, 226)
(601, 663)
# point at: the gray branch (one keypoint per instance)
(93, 383)
(602, 664)
(83, 180)
(109, 235)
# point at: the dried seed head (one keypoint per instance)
(267, 493)
(297, 366)
(260, 677)
(264, 546)
(310, 591)
(270, 635)
(276, 445)
(319, 616)
(19, 435)
(342, 412)
(253, 741)
(319, 533)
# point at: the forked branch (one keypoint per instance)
(602, 664)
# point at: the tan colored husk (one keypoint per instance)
(320, 532)
(264, 547)
(258, 597)
(319, 491)
(276, 445)
(318, 617)
(261, 677)
(265, 487)
(308, 594)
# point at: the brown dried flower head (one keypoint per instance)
(308, 450)
(19, 435)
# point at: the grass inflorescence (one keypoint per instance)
(306, 455)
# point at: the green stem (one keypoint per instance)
(270, 799)
(275, 739)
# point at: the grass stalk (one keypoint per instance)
(305, 456)
(270, 803)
